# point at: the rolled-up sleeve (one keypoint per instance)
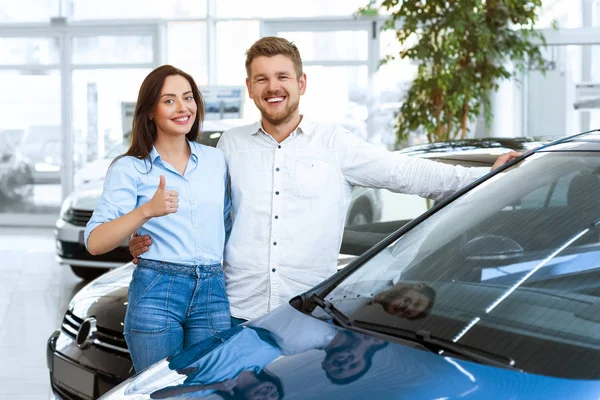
(118, 198)
(364, 164)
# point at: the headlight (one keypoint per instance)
(65, 210)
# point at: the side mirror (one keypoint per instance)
(491, 248)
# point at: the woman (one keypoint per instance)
(175, 190)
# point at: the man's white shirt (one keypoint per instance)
(290, 201)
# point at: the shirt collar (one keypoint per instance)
(154, 154)
(305, 126)
(194, 149)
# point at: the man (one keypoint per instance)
(291, 183)
(405, 300)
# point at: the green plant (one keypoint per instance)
(461, 48)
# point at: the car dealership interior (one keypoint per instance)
(70, 72)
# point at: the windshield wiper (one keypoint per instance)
(439, 345)
(330, 310)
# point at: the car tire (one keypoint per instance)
(87, 273)
(360, 214)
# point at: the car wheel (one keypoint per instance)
(361, 214)
(87, 273)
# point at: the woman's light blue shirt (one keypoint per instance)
(196, 233)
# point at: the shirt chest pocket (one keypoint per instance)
(312, 178)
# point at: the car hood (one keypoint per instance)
(291, 348)
(94, 171)
(105, 298)
(86, 197)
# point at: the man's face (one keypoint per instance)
(275, 88)
(403, 302)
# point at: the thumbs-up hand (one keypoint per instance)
(164, 201)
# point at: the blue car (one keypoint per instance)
(492, 294)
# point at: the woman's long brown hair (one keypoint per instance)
(143, 133)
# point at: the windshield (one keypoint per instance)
(511, 268)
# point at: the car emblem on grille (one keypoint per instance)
(87, 333)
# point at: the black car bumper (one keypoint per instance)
(77, 251)
(83, 374)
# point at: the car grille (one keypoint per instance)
(78, 217)
(106, 339)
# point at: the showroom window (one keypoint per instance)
(65, 90)
(30, 50)
(28, 10)
(135, 9)
(187, 49)
(112, 49)
(284, 9)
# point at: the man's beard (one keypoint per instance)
(283, 117)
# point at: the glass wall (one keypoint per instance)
(284, 9)
(30, 115)
(30, 139)
(187, 49)
(63, 90)
(108, 59)
(28, 10)
(100, 129)
(560, 102)
(134, 9)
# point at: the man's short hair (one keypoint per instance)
(271, 46)
(428, 292)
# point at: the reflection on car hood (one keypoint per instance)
(105, 298)
(308, 347)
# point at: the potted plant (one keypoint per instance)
(461, 48)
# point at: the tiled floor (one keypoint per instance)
(34, 293)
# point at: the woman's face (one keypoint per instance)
(175, 112)
(262, 391)
(343, 363)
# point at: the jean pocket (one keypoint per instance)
(148, 297)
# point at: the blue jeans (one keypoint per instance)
(171, 306)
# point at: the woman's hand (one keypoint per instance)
(163, 202)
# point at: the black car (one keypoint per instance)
(90, 342)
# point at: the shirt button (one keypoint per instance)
(277, 217)
(274, 243)
(276, 169)
(273, 270)
(279, 146)
(277, 193)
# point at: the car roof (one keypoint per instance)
(587, 141)
(472, 152)
(490, 144)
